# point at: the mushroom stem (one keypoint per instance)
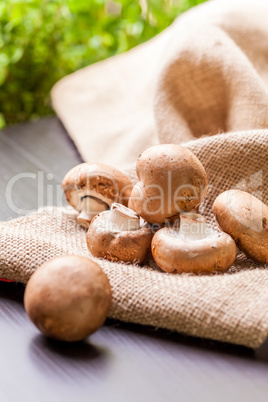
(122, 218)
(192, 226)
(91, 207)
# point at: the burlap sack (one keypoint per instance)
(232, 307)
(206, 74)
(209, 71)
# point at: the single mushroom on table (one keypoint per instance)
(245, 218)
(68, 298)
(193, 247)
(119, 235)
(92, 188)
(171, 180)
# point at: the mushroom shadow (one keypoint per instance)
(76, 360)
(79, 351)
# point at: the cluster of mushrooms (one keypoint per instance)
(68, 298)
(160, 213)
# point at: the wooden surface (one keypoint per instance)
(121, 362)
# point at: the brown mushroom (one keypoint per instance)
(245, 218)
(92, 188)
(119, 235)
(68, 298)
(171, 180)
(193, 247)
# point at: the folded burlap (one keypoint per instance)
(205, 75)
(230, 307)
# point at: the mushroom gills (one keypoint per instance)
(193, 247)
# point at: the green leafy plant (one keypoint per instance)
(43, 40)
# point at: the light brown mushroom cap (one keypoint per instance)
(115, 242)
(245, 218)
(177, 253)
(171, 180)
(68, 298)
(97, 184)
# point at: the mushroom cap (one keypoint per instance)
(171, 180)
(245, 218)
(216, 252)
(68, 298)
(127, 245)
(103, 182)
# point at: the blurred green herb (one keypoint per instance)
(43, 40)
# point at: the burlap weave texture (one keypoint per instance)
(207, 73)
(203, 82)
(232, 307)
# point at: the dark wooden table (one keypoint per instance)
(120, 362)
